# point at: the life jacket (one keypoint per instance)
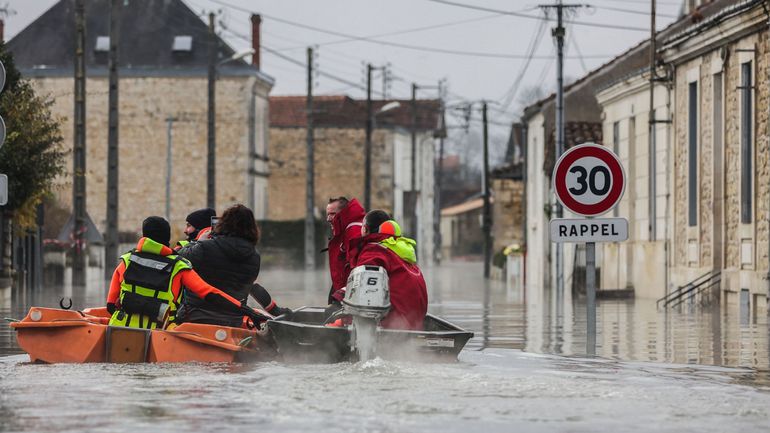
(146, 290)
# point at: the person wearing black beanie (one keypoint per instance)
(157, 229)
(197, 221)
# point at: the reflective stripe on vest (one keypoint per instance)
(151, 276)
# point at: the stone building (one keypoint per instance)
(339, 138)
(163, 74)
(720, 173)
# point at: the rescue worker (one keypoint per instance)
(383, 245)
(345, 217)
(198, 225)
(146, 286)
(229, 261)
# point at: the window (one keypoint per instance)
(692, 156)
(182, 44)
(102, 44)
(616, 149)
(746, 147)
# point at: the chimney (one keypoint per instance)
(256, 22)
(2, 30)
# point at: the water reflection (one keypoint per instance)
(504, 316)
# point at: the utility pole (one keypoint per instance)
(111, 244)
(169, 128)
(411, 205)
(211, 171)
(487, 207)
(438, 173)
(559, 33)
(79, 150)
(368, 145)
(310, 173)
(651, 128)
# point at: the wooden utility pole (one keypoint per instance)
(79, 151)
(487, 218)
(310, 172)
(111, 244)
(368, 144)
(211, 161)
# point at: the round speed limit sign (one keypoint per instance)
(589, 179)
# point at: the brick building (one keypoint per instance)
(163, 73)
(339, 131)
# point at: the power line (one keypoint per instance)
(632, 11)
(537, 17)
(406, 46)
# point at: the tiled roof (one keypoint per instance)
(346, 112)
(574, 133)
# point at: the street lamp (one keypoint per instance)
(370, 125)
(212, 76)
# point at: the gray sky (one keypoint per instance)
(469, 77)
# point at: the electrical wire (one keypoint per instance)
(510, 95)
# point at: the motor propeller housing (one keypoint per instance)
(367, 293)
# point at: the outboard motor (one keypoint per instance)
(367, 300)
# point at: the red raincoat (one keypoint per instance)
(343, 246)
(408, 292)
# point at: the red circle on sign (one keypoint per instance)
(565, 163)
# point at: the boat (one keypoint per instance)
(51, 335)
(303, 336)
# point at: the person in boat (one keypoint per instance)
(198, 225)
(383, 245)
(147, 284)
(345, 217)
(229, 261)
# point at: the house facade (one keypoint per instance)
(339, 158)
(162, 109)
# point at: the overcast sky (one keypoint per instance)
(453, 28)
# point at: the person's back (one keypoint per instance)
(384, 246)
(228, 261)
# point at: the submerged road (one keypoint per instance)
(700, 370)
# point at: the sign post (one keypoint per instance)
(589, 180)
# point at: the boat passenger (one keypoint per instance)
(146, 285)
(198, 225)
(383, 245)
(229, 261)
(345, 217)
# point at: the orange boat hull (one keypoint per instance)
(62, 336)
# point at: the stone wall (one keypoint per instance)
(507, 213)
(144, 105)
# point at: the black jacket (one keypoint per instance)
(228, 263)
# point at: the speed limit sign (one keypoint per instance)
(589, 179)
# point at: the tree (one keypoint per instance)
(32, 155)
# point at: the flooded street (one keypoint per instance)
(524, 369)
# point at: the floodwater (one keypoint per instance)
(696, 370)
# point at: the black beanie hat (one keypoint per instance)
(157, 229)
(201, 218)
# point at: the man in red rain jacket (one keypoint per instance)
(383, 245)
(345, 217)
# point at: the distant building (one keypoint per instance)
(163, 73)
(461, 233)
(339, 131)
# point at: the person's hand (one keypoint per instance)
(255, 316)
(339, 295)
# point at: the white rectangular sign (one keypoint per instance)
(3, 189)
(589, 230)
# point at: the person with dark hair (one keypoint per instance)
(146, 286)
(198, 225)
(230, 261)
(344, 216)
(383, 245)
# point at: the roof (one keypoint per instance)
(511, 170)
(574, 133)
(148, 30)
(465, 207)
(344, 111)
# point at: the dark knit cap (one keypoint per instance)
(157, 229)
(201, 218)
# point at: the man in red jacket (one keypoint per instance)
(384, 246)
(345, 217)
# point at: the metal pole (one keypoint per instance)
(590, 298)
(439, 172)
(368, 145)
(211, 156)
(79, 149)
(559, 33)
(111, 244)
(651, 131)
(414, 139)
(310, 174)
(170, 122)
(487, 208)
